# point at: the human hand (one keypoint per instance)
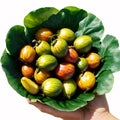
(93, 111)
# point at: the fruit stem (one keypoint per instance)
(53, 42)
(53, 37)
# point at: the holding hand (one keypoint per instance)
(95, 110)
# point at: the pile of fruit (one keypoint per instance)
(59, 64)
(60, 57)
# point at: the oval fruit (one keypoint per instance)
(86, 81)
(69, 88)
(27, 54)
(93, 60)
(27, 70)
(83, 43)
(59, 47)
(43, 34)
(66, 34)
(82, 64)
(65, 70)
(40, 76)
(71, 56)
(43, 47)
(46, 62)
(52, 87)
(29, 85)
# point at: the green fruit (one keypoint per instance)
(83, 43)
(52, 87)
(46, 62)
(82, 64)
(67, 34)
(59, 47)
(43, 47)
(69, 88)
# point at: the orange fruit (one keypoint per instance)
(27, 54)
(93, 59)
(40, 76)
(43, 34)
(86, 81)
(27, 70)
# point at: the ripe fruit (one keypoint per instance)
(29, 85)
(65, 71)
(27, 54)
(40, 76)
(83, 43)
(93, 60)
(59, 47)
(46, 62)
(71, 56)
(86, 81)
(59, 60)
(27, 70)
(43, 34)
(82, 64)
(52, 87)
(69, 88)
(66, 34)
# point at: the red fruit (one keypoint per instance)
(65, 71)
(71, 56)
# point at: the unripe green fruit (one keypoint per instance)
(52, 87)
(69, 88)
(83, 43)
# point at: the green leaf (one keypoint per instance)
(68, 17)
(15, 40)
(11, 68)
(110, 53)
(36, 17)
(104, 82)
(92, 26)
(69, 105)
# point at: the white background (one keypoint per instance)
(12, 12)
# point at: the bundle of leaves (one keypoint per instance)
(82, 23)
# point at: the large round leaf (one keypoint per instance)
(15, 40)
(81, 22)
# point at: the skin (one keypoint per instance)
(95, 110)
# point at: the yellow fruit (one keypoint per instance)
(86, 81)
(29, 85)
(93, 60)
(66, 34)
